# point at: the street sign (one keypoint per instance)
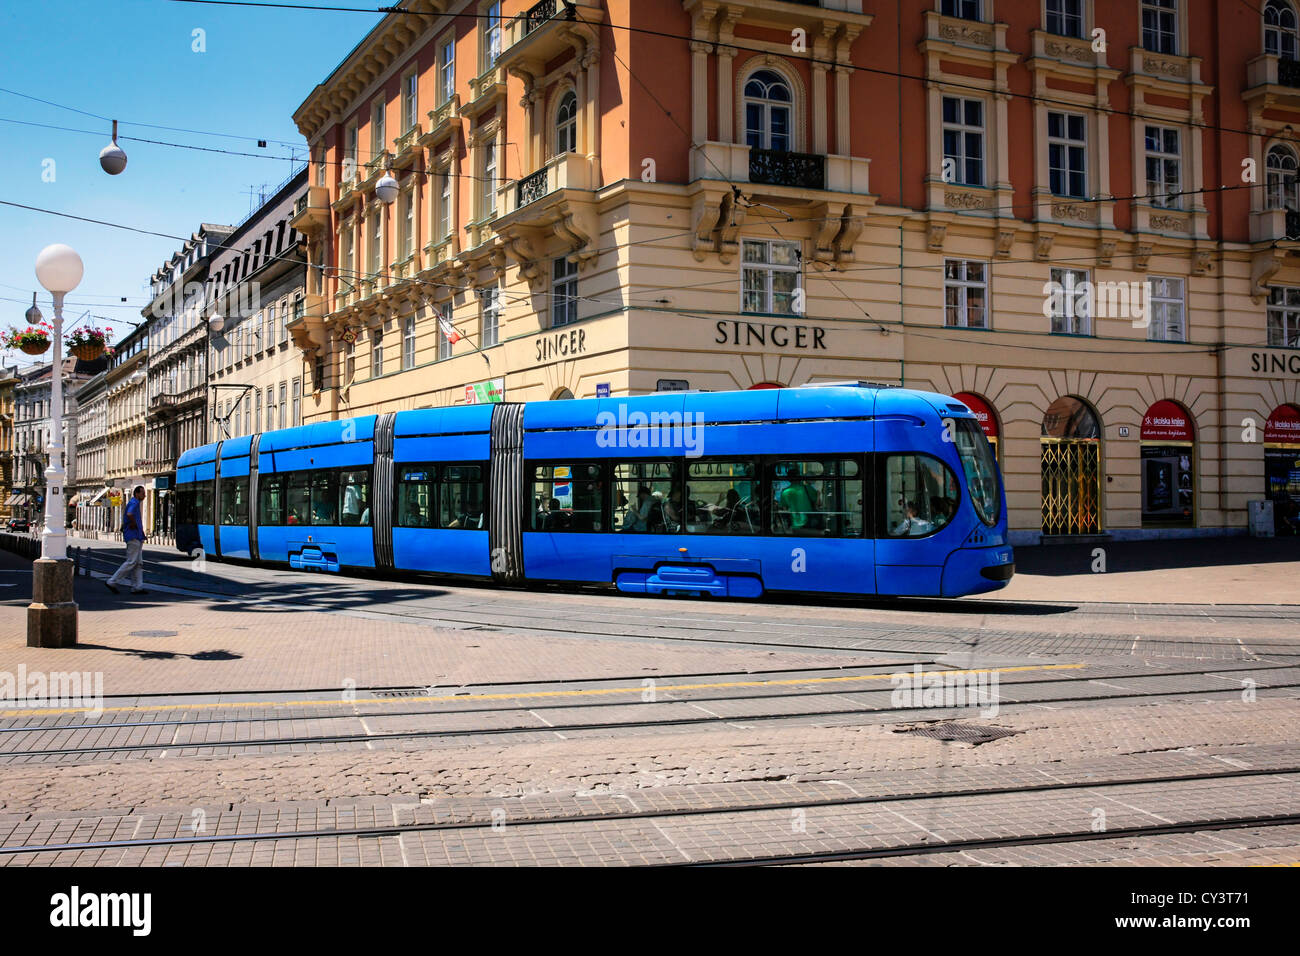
(672, 385)
(602, 389)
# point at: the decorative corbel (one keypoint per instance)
(1142, 256)
(1263, 266)
(938, 231)
(1005, 241)
(1106, 252)
(1043, 245)
(851, 227)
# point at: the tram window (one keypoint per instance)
(354, 492)
(271, 507)
(324, 497)
(462, 497)
(821, 498)
(643, 497)
(297, 498)
(722, 497)
(203, 503)
(568, 498)
(921, 495)
(234, 501)
(415, 484)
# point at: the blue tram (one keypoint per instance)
(852, 489)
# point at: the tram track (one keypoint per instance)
(664, 689)
(707, 719)
(488, 821)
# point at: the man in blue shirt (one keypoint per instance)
(133, 535)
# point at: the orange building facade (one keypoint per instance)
(1081, 216)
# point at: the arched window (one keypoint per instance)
(566, 124)
(768, 112)
(1280, 178)
(1281, 37)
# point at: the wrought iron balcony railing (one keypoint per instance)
(780, 168)
(536, 15)
(1292, 224)
(1288, 72)
(531, 187)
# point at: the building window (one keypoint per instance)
(444, 204)
(1167, 310)
(284, 420)
(270, 409)
(966, 9)
(349, 276)
(350, 152)
(489, 316)
(272, 335)
(1164, 164)
(966, 294)
(319, 152)
(566, 124)
(963, 141)
(1280, 178)
(377, 141)
(1071, 302)
(376, 353)
(375, 264)
(1160, 26)
(408, 342)
(446, 71)
(1280, 34)
(1284, 316)
(488, 200)
(297, 395)
(768, 103)
(408, 224)
(491, 35)
(410, 100)
(1065, 17)
(564, 301)
(770, 274)
(1067, 154)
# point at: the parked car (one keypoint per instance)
(19, 524)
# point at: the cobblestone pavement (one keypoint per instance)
(263, 716)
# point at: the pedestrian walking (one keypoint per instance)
(133, 535)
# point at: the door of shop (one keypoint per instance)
(1071, 468)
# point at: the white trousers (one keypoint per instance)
(133, 566)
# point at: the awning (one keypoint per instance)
(74, 499)
(99, 494)
(20, 500)
(11, 500)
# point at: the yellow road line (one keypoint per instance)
(588, 692)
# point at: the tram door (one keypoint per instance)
(1071, 468)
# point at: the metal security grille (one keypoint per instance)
(253, 497)
(506, 498)
(382, 485)
(1071, 469)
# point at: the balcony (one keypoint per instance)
(739, 163)
(1275, 225)
(441, 122)
(1272, 81)
(311, 211)
(817, 17)
(486, 90)
(307, 327)
(555, 202)
(547, 30)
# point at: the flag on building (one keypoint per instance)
(448, 330)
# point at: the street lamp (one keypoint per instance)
(112, 158)
(52, 615)
(387, 189)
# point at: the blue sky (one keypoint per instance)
(134, 60)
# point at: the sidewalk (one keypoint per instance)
(1228, 570)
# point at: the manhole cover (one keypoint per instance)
(153, 634)
(965, 733)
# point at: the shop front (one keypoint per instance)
(1168, 466)
(985, 415)
(1282, 468)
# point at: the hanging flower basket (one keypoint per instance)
(88, 342)
(34, 340)
(87, 351)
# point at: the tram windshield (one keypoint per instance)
(981, 470)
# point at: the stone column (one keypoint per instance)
(52, 615)
(700, 92)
